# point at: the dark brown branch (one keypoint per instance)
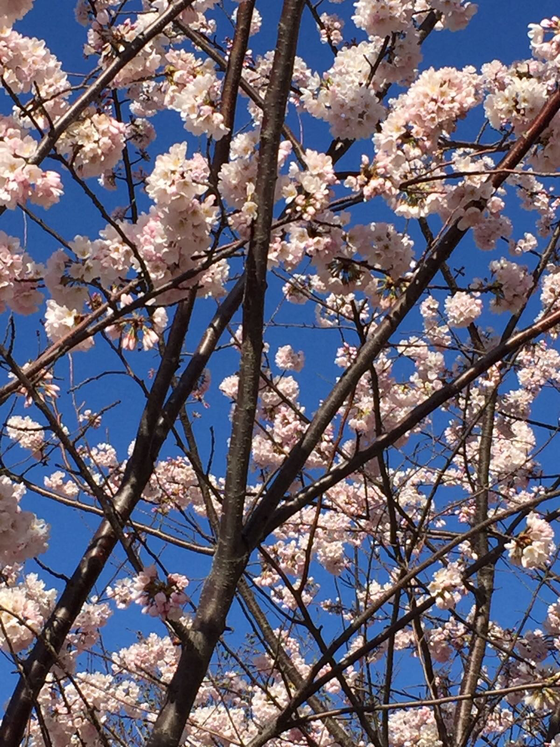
(286, 666)
(464, 722)
(231, 554)
(415, 416)
(152, 431)
(105, 78)
(232, 80)
(440, 253)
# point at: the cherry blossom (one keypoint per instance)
(14, 10)
(331, 29)
(383, 17)
(94, 144)
(59, 320)
(29, 66)
(131, 330)
(23, 609)
(27, 433)
(159, 599)
(314, 181)
(416, 727)
(545, 38)
(287, 359)
(22, 534)
(462, 309)
(447, 586)
(302, 234)
(342, 97)
(19, 276)
(514, 283)
(194, 92)
(19, 180)
(526, 244)
(56, 483)
(533, 547)
(153, 655)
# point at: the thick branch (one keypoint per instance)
(152, 431)
(232, 80)
(231, 553)
(485, 579)
(414, 417)
(287, 667)
(256, 268)
(440, 253)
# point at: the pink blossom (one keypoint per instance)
(19, 277)
(383, 17)
(415, 726)
(94, 143)
(28, 66)
(21, 181)
(455, 14)
(514, 283)
(517, 104)
(13, 10)
(331, 30)
(160, 599)
(174, 484)
(287, 359)
(308, 191)
(533, 547)
(86, 629)
(447, 586)
(22, 534)
(194, 92)
(138, 328)
(545, 38)
(154, 655)
(24, 608)
(55, 482)
(60, 320)
(124, 592)
(462, 309)
(27, 433)
(526, 244)
(229, 386)
(342, 98)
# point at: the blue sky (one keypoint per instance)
(499, 30)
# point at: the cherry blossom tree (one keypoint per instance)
(326, 492)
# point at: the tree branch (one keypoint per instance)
(231, 554)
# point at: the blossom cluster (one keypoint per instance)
(24, 607)
(27, 433)
(535, 545)
(19, 277)
(14, 10)
(158, 598)
(366, 328)
(22, 534)
(20, 179)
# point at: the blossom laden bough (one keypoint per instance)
(335, 243)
